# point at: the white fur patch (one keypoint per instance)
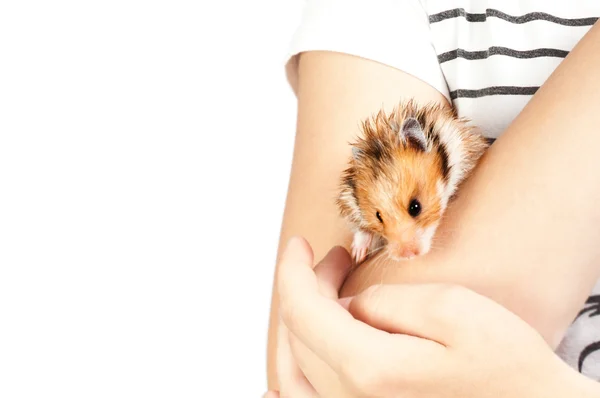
(451, 138)
(361, 245)
(361, 238)
(426, 237)
(350, 200)
(441, 191)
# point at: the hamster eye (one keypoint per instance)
(379, 217)
(414, 208)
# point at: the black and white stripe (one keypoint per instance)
(493, 54)
(494, 90)
(507, 52)
(493, 13)
(581, 346)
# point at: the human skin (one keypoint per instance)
(526, 239)
(329, 108)
(410, 340)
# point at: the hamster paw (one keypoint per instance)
(360, 246)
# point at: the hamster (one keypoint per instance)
(403, 172)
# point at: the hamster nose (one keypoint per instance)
(404, 251)
(409, 251)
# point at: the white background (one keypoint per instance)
(145, 149)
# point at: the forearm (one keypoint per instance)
(329, 109)
(564, 383)
(524, 229)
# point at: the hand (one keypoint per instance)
(408, 340)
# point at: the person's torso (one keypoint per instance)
(495, 54)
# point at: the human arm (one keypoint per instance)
(334, 92)
(526, 239)
(416, 340)
(524, 229)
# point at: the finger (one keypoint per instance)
(320, 323)
(293, 383)
(271, 394)
(332, 271)
(446, 314)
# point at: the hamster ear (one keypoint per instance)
(411, 130)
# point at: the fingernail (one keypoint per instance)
(345, 302)
(292, 242)
(298, 250)
(295, 245)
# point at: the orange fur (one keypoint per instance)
(389, 172)
(391, 195)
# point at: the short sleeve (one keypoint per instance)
(392, 32)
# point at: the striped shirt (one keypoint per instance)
(488, 57)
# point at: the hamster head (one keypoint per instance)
(395, 185)
(402, 203)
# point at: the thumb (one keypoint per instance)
(271, 394)
(297, 251)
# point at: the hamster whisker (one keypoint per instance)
(372, 266)
(375, 250)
